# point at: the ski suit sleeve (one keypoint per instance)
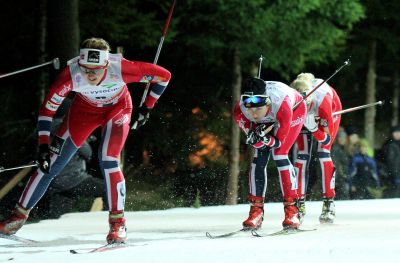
(159, 77)
(57, 93)
(325, 121)
(246, 125)
(241, 120)
(284, 118)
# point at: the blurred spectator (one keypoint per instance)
(352, 138)
(391, 159)
(341, 161)
(363, 175)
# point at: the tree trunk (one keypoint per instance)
(369, 121)
(43, 81)
(396, 97)
(63, 23)
(232, 189)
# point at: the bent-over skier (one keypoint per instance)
(263, 103)
(320, 125)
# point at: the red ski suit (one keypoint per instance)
(107, 105)
(287, 126)
(324, 102)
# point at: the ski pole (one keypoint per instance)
(55, 62)
(146, 90)
(358, 108)
(346, 63)
(2, 169)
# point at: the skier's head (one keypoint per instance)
(254, 93)
(254, 98)
(303, 84)
(396, 132)
(362, 146)
(93, 59)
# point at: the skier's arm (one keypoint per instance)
(284, 118)
(325, 126)
(159, 77)
(57, 93)
(241, 120)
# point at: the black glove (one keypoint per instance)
(261, 133)
(253, 137)
(140, 117)
(44, 158)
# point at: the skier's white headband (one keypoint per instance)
(95, 57)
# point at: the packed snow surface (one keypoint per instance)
(364, 231)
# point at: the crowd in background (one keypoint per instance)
(361, 171)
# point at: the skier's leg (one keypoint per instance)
(257, 186)
(304, 145)
(69, 137)
(114, 134)
(287, 173)
(328, 176)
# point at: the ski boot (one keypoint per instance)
(291, 214)
(16, 220)
(301, 205)
(117, 233)
(328, 211)
(256, 214)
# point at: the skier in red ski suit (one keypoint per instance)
(262, 104)
(320, 125)
(102, 100)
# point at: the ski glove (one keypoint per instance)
(261, 134)
(263, 129)
(140, 117)
(253, 138)
(310, 123)
(44, 158)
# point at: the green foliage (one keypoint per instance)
(288, 33)
(125, 23)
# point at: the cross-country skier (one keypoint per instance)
(322, 126)
(102, 100)
(263, 103)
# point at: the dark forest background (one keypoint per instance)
(183, 155)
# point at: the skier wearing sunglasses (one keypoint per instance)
(265, 113)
